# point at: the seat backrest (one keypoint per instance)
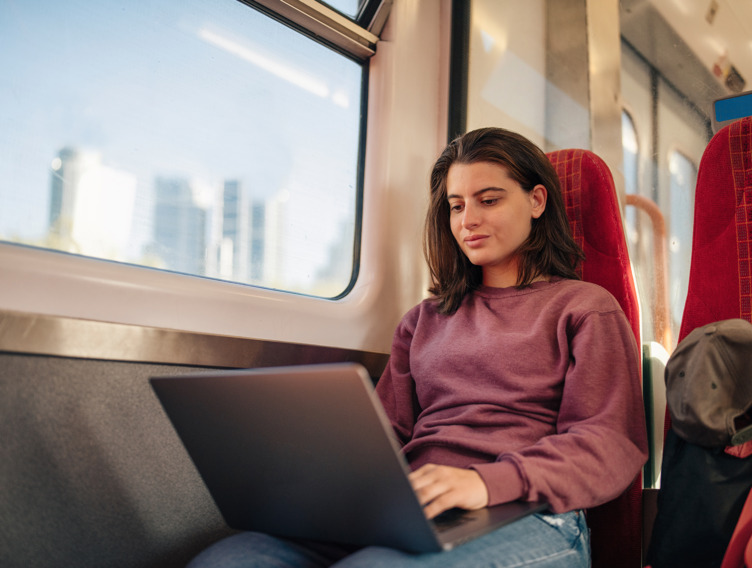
(720, 274)
(595, 217)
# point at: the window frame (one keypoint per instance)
(327, 25)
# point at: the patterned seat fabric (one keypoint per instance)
(595, 218)
(720, 277)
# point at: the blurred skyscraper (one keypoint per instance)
(180, 226)
(241, 252)
(91, 205)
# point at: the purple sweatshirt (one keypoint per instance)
(537, 389)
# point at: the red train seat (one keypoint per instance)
(720, 274)
(595, 217)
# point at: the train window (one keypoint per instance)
(201, 137)
(682, 194)
(631, 168)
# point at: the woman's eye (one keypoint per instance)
(456, 208)
(490, 201)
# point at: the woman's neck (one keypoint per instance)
(506, 280)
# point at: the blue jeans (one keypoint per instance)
(543, 540)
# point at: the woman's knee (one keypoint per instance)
(252, 550)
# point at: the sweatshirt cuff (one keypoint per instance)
(502, 480)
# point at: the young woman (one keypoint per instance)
(515, 380)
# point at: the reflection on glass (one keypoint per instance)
(200, 137)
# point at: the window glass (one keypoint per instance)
(347, 7)
(631, 164)
(640, 227)
(201, 137)
(682, 193)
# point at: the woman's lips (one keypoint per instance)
(474, 241)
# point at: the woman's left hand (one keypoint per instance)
(440, 488)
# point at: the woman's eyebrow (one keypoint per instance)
(477, 193)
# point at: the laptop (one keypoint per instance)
(307, 452)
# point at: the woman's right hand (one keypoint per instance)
(440, 488)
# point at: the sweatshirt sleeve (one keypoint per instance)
(600, 442)
(396, 388)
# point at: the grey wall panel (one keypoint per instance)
(91, 471)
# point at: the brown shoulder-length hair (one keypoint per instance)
(550, 249)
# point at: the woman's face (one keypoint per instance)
(491, 216)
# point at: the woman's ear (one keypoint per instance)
(538, 197)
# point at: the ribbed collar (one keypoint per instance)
(511, 291)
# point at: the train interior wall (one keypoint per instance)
(94, 474)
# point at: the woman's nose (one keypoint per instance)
(470, 218)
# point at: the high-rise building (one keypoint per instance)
(180, 226)
(91, 205)
(235, 255)
(241, 256)
(258, 241)
(70, 165)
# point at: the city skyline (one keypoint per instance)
(217, 231)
